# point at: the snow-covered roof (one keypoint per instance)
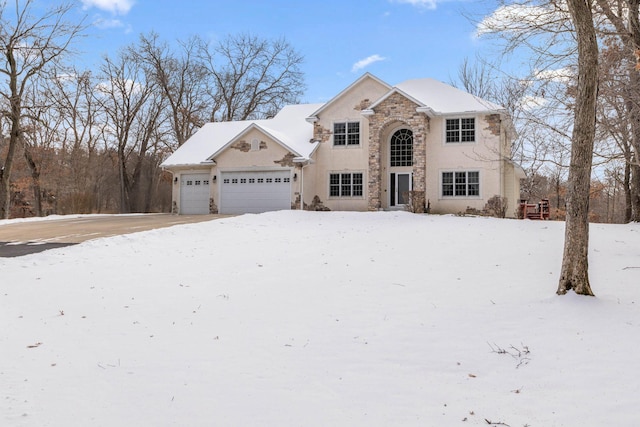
(439, 98)
(292, 127)
(288, 128)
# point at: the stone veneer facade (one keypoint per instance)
(394, 110)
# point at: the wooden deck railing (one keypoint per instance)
(534, 210)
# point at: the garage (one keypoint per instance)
(194, 194)
(255, 192)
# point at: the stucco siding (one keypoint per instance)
(482, 155)
(333, 159)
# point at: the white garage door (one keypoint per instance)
(255, 192)
(194, 194)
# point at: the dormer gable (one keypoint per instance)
(365, 79)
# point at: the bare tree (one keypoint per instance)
(182, 79)
(575, 266)
(624, 16)
(478, 78)
(40, 136)
(614, 115)
(128, 101)
(254, 77)
(30, 44)
(80, 184)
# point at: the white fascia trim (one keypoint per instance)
(303, 161)
(428, 111)
(471, 113)
(187, 165)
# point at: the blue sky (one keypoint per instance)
(395, 40)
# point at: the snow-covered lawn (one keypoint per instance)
(323, 319)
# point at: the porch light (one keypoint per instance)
(175, 180)
(215, 178)
(295, 177)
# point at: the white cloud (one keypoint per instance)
(560, 75)
(116, 7)
(127, 86)
(108, 23)
(428, 4)
(529, 103)
(519, 18)
(366, 62)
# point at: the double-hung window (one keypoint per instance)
(461, 184)
(346, 134)
(345, 184)
(460, 130)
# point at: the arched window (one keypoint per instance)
(402, 148)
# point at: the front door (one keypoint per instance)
(400, 185)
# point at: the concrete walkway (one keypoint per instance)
(22, 238)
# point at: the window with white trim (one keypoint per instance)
(346, 134)
(461, 184)
(401, 148)
(346, 184)
(460, 130)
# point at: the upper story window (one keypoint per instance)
(461, 130)
(461, 184)
(402, 148)
(346, 133)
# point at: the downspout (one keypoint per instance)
(302, 162)
(302, 186)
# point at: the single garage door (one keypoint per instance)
(194, 194)
(255, 192)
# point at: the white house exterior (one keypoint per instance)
(371, 147)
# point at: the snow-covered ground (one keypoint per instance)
(323, 319)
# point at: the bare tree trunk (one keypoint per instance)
(634, 193)
(35, 179)
(575, 266)
(125, 206)
(5, 172)
(626, 186)
(634, 77)
(15, 102)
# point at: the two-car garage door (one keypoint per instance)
(254, 192)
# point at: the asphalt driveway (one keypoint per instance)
(22, 238)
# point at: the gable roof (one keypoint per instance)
(437, 98)
(288, 128)
(365, 76)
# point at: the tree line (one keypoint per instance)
(78, 140)
(541, 95)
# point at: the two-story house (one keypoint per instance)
(373, 146)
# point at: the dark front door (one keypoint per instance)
(400, 185)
